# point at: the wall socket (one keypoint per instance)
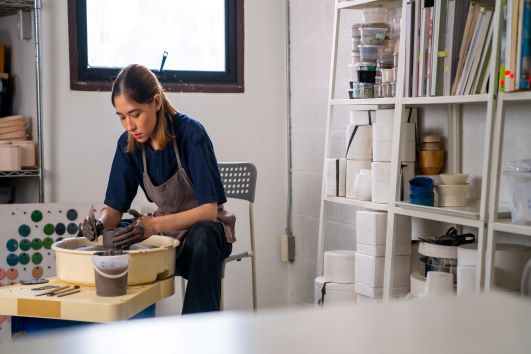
(287, 248)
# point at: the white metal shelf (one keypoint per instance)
(419, 101)
(516, 96)
(363, 101)
(10, 7)
(508, 226)
(360, 4)
(22, 173)
(467, 216)
(357, 203)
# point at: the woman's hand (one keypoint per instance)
(141, 229)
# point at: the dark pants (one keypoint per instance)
(200, 261)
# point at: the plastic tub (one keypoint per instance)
(519, 178)
(373, 35)
(370, 52)
(356, 30)
(355, 57)
(366, 72)
(355, 44)
(375, 14)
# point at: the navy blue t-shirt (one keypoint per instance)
(197, 157)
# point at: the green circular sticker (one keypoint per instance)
(36, 258)
(47, 242)
(24, 258)
(25, 244)
(36, 216)
(12, 259)
(36, 244)
(48, 229)
(24, 230)
(12, 245)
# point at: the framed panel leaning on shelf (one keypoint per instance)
(10, 7)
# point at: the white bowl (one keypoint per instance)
(454, 178)
(452, 194)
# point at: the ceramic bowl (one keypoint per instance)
(453, 178)
(452, 194)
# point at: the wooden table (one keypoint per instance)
(20, 300)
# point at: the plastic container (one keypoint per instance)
(519, 177)
(355, 58)
(378, 93)
(110, 273)
(355, 44)
(373, 35)
(370, 52)
(375, 14)
(388, 75)
(356, 30)
(366, 72)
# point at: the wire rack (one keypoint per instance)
(10, 7)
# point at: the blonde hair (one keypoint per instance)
(139, 84)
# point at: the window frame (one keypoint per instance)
(232, 80)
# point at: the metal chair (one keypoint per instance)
(239, 182)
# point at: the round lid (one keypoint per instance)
(364, 66)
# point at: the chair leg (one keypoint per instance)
(253, 280)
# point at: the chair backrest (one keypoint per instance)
(239, 179)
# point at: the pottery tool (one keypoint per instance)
(57, 292)
(69, 293)
(45, 287)
(53, 290)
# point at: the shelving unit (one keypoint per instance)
(7, 8)
(476, 213)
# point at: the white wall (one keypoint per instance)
(80, 131)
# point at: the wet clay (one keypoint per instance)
(98, 248)
(111, 286)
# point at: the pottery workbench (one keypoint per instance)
(20, 300)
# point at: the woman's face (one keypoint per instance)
(139, 119)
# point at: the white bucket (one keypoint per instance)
(110, 273)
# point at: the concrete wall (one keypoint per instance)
(80, 132)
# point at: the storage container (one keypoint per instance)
(10, 157)
(339, 266)
(355, 44)
(373, 35)
(366, 72)
(370, 52)
(375, 14)
(355, 58)
(370, 270)
(519, 183)
(356, 30)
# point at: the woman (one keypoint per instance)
(170, 156)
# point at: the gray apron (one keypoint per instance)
(177, 194)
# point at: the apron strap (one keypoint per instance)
(175, 149)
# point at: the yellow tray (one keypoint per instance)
(20, 300)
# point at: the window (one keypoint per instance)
(203, 41)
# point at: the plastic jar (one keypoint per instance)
(356, 30)
(370, 52)
(375, 14)
(366, 72)
(373, 35)
(519, 178)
